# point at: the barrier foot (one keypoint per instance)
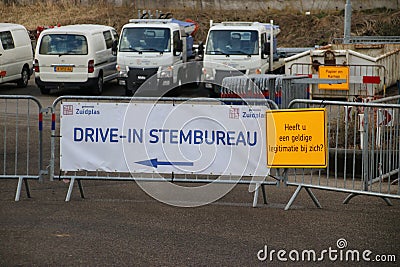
(28, 193)
(295, 194)
(388, 202)
(293, 197)
(18, 193)
(313, 197)
(255, 199)
(71, 186)
(348, 198)
(81, 189)
(264, 194)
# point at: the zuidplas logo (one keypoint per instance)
(86, 110)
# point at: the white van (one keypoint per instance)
(75, 56)
(16, 54)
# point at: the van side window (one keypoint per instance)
(108, 38)
(176, 39)
(7, 40)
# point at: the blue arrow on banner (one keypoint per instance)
(155, 163)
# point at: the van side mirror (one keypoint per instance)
(266, 50)
(178, 47)
(114, 48)
(201, 49)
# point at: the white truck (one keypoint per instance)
(160, 47)
(235, 48)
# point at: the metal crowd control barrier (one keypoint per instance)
(364, 151)
(57, 173)
(21, 140)
(364, 80)
(279, 88)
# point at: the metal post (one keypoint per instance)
(271, 46)
(347, 22)
(52, 143)
(365, 149)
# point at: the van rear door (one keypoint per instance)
(63, 58)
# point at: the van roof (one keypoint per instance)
(152, 24)
(9, 26)
(79, 28)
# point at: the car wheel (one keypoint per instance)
(98, 89)
(23, 82)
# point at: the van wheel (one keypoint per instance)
(23, 82)
(98, 89)
(44, 90)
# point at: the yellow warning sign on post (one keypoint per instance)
(297, 138)
(334, 72)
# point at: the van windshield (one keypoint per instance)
(63, 44)
(232, 42)
(145, 40)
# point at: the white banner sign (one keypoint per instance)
(163, 138)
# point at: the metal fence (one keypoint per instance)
(78, 176)
(281, 89)
(364, 151)
(363, 148)
(21, 128)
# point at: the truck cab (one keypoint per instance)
(236, 48)
(153, 48)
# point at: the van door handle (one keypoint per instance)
(62, 65)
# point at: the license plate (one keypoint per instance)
(141, 77)
(63, 69)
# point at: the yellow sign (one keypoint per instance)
(334, 72)
(297, 138)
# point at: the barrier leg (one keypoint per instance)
(18, 193)
(28, 193)
(313, 197)
(264, 194)
(293, 197)
(349, 197)
(255, 199)
(71, 186)
(81, 188)
(388, 202)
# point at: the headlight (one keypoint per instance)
(122, 72)
(208, 74)
(165, 72)
(255, 71)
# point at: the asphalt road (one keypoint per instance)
(110, 89)
(118, 224)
